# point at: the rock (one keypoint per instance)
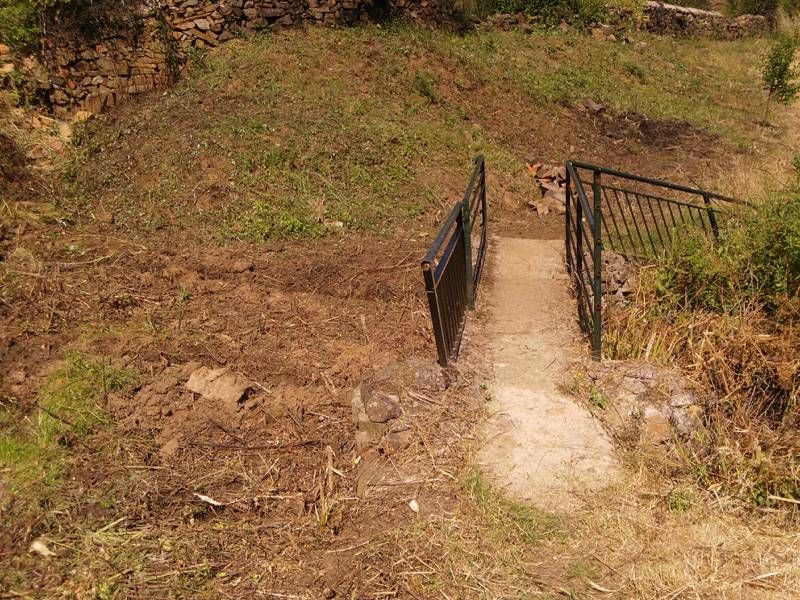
(7, 69)
(363, 440)
(687, 420)
(65, 132)
(399, 440)
(219, 385)
(185, 371)
(81, 116)
(242, 265)
(655, 428)
(429, 376)
(593, 107)
(382, 407)
(4, 50)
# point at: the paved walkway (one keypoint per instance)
(541, 446)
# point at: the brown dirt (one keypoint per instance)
(304, 320)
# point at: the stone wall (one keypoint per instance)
(141, 45)
(668, 19)
(146, 46)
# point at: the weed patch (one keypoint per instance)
(511, 521)
(728, 313)
(33, 447)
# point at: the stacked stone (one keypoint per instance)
(99, 75)
(141, 56)
(668, 19)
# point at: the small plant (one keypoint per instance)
(635, 71)
(425, 85)
(597, 398)
(796, 163)
(679, 501)
(779, 73)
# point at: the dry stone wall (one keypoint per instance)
(142, 46)
(146, 49)
(669, 19)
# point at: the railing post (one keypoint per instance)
(597, 317)
(712, 216)
(567, 218)
(467, 221)
(579, 256)
(433, 304)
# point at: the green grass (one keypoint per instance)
(33, 447)
(510, 521)
(277, 135)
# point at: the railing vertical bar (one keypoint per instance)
(614, 220)
(598, 280)
(664, 220)
(635, 224)
(672, 214)
(625, 222)
(655, 222)
(567, 217)
(433, 305)
(644, 224)
(712, 217)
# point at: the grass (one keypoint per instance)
(510, 521)
(726, 312)
(367, 127)
(34, 447)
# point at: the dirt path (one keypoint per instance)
(540, 445)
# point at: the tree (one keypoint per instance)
(779, 73)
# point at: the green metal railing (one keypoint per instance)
(634, 216)
(453, 266)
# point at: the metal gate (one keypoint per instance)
(453, 267)
(637, 217)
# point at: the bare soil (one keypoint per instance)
(302, 513)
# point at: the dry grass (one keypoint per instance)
(631, 540)
(748, 364)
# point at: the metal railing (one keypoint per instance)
(452, 270)
(636, 217)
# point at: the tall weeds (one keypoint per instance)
(728, 313)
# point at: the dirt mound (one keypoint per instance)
(659, 133)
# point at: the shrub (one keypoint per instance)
(20, 23)
(778, 72)
(756, 261)
(551, 11)
(728, 312)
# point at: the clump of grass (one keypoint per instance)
(425, 85)
(728, 312)
(511, 521)
(68, 409)
(266, 221)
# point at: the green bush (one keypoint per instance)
(551, 11)
(20, 23)
(767, 8)
(21, 20)
(779, 74)
(756, 261)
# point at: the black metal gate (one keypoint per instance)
(637, 217)
(453, 267)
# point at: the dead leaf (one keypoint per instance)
(40, 548)
(208, 500)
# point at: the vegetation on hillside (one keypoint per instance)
(364, 127)
(729, 312)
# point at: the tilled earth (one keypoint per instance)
(304, 322)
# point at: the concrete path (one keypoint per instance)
(541, 446)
